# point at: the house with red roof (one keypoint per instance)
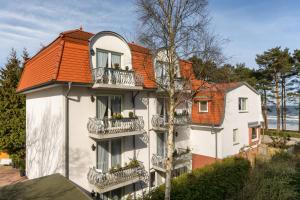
(96, 113)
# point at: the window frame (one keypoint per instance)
(109, 60)
(235, 134)
(109, 113)
(110, 152)
(240, 100)
(199, 107)
(256, 133)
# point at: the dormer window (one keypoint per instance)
(203, 106)
(108, 59)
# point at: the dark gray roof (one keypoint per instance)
(54, 187)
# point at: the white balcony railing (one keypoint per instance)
(182, 156)
(117, 178)
(108, 127)
(161, 122)
(120, 77)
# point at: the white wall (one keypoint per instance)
(203, 141)
(239, 120)
(45, 128)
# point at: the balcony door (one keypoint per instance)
(161, 145)
(162, 108)
(108, 106)
(109, 154)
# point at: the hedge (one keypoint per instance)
(221, 180)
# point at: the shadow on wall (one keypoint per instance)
(79, 163)
(45, 143)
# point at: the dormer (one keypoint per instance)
(111, 62)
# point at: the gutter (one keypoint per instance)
(67, 130)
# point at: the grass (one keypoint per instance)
(272, 132)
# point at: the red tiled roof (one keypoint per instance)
(215, 95)
(66, 59)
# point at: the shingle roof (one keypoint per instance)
(54, 187)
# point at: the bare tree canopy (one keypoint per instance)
(188, 23)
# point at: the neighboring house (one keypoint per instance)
(95, 115)
(226, 118)
(4, 159)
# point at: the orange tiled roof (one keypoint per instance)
(66, 59)
(215, 95)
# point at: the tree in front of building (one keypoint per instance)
(12, 108)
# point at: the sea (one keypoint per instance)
(291, 117)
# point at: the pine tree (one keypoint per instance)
(12, 109)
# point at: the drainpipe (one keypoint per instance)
(67, 131)
(148, 121)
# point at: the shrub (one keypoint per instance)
(271, 180)
(221, 180)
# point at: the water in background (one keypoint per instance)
(291, 117)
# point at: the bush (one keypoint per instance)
(221, 180)
(271, 180)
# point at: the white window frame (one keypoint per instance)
(199, 105)
(109, 53)
(235, 136)
(240, 101)
(109, 103)
(109, 152)
(256, 130)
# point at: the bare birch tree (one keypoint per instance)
(175, 30)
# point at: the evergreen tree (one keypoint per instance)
(12, 109)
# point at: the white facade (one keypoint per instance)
(218, 141)
(57, 128)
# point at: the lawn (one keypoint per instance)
(272, 132)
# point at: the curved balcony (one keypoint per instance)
(160, 122)
(117, 178)
(110, 128)
(117, 79)
(181, 158)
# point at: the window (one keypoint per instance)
(102, 59)
(161, 145)
(109, 154)
(203, 106)
(254, 133)
(115, 60)
(152, 179)
(107, 106)
(235, 136)
(108, 59)
(242, 104)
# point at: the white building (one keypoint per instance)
(94, 114)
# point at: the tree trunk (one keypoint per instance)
(299, 113)
(284, 105)
(277, 103)
(265, 110)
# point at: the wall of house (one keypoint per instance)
(234, 119)
(205, 142)
(112, 43)
(81, 155)
(45, 128)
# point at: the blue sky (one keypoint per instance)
(250, 26)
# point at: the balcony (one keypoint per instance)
(112, 78)
(116, 178)
(180, 84)
(181, 158)
(111, 128)
(160, 122)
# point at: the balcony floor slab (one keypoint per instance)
(114, 135)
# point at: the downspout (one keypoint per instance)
(148, 121)
(67, 131)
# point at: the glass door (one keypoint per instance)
(103, 156)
